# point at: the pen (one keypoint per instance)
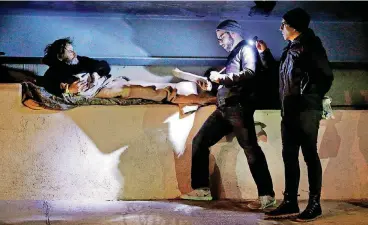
(222, 70)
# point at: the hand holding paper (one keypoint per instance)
(215, 76)
(203, 82)
(205, 85)
(188, 76)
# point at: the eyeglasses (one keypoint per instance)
(222, 36)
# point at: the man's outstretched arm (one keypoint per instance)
(267, 59)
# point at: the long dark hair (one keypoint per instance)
(52, 51)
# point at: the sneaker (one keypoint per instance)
(263, 202)
(200, 194)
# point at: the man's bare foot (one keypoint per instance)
(32, 104)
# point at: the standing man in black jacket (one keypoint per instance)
(234, 113)
(305, 77)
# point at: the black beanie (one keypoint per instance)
(230, 25)
(298, 19)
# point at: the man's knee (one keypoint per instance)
(253, 153)
(311, 156)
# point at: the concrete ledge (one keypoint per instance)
(144, 152)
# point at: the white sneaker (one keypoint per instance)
(200, 194)
(262, 202)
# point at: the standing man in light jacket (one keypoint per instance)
(234, 113)
(305, 77)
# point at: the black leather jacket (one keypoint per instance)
(241, 68)
(305, 75)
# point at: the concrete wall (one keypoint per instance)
(144, 152)
(27, 36)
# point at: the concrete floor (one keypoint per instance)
(169, 212)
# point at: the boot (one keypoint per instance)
(312, 211)
(287, 209)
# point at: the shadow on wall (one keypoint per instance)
(363, 134)
(183, 162)
(151, 141)
(331, 141)
(223, 157)
(344, 154)
(146, 166)
(224, 182)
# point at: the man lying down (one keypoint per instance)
(73, 75)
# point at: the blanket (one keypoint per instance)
(37, 97)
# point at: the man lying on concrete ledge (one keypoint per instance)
(70, 74)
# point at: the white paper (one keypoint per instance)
(188, 76)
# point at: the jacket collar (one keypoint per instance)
(303, 37)
(240, 44)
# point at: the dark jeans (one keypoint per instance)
(221, 122)
(301, 130)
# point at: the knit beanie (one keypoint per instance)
(298, 19)
(230, 25)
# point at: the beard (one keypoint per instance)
(74, 61)
(229, 46)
